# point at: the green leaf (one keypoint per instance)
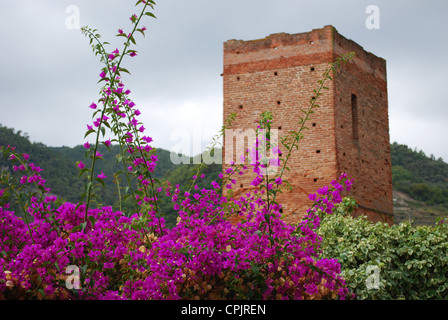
(89, 132)
(103, 79)
(255, 269)
(141, 31)
(108, 148)
(92, 220)
(150, 14)
(100, 181)
(124, 70)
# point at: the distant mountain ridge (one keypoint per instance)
(420, 182)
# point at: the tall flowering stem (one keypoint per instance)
(113, 96)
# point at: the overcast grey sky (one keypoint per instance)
(49, 73)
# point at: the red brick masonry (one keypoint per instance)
(348, 133)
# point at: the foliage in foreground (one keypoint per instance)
(203, 256)
(379, 261)
(132, 255)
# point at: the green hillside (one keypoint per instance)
(421, 177)
(420, 182)
(61, 173)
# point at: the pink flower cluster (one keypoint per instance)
(130, 258)
(37, 269)
(271, 259)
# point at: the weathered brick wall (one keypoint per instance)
(366, 158)
(279, 74)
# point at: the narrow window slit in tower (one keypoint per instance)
(279, 128)
(241, 185)
(317, 151)
(315, 179)
(312, 68)
(237, 78)
(275, 73)
(280, 210)
(240, 106)
(278, 102)
(314, 124)
(355, 121)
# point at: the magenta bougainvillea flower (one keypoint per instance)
(101, 176)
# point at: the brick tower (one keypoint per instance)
(348, 133)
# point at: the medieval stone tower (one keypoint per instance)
(348, 133)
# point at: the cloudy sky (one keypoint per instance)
(49, 73)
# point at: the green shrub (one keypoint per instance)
(411, 262)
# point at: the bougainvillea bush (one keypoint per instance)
(87, 251)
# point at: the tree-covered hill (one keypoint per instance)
(423, 178)
(60, 170)
(417, 177)
(61, 173)
(420, 184)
